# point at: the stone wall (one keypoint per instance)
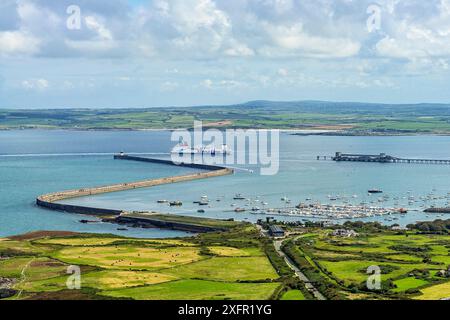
(49, 201)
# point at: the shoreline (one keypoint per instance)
(294, 132)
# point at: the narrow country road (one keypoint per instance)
(297, 271)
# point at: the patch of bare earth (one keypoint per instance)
(224, 123)
(38, 264)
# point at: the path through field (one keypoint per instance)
(23, 276)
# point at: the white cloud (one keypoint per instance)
(18, 42)
(417, 36)
(94, 24)
(169, 86)
(239, 50)
(222, 84)
(193, 29)
(283, 72)
(90, 46)
(207, 83)
(293, 38)
(36, 84)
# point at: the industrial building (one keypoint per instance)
(276, 231)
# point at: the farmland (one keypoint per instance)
(410, 263)
(234, 264)
(351, 118)
(202, 267)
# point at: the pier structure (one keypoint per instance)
(52, 201)
(381, 158)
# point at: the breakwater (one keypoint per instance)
(437, 210)
(50, 201)
(163, 222)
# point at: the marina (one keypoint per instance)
(329, 211)
(339, 207)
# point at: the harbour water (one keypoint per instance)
(37, 162)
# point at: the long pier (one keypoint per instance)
(50, 201)
(380, 158)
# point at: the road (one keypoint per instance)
(297, 271)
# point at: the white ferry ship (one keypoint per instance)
(184, 148)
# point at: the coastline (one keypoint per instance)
(294, 132)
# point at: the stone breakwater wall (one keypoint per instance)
(171, 163)
(158, 223)
(437, 210)
(50, 201)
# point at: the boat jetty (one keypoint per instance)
(380, 158)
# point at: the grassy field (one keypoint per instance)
(129, 256)
(204, 267)
(408, 283)
(237, 268)
(198, 290)
(436, 292)
(293, 295)
(409, 262)
(359, 118)
(235, 264)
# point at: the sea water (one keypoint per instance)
(34, 162)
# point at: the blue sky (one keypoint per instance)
(144, 53)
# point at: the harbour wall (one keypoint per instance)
(437, 210)
(50, 201)
(158, 223)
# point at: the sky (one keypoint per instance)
(149, 53)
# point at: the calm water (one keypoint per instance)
(36, 162)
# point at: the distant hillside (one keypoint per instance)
(347, 117)
(424, 109)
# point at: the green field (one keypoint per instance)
(198, 290)
(236, 264)
(409, 262)
(241, 268)
(408, 283)
(293, 295)
(355, 118)
(203, 267)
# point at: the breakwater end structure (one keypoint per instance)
(51, 200)
(175, 222)
(437, 210)
(380, 158)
